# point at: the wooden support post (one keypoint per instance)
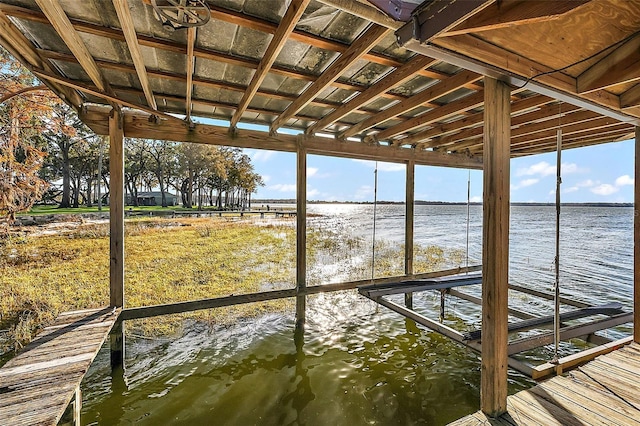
(301, 236)
(408, 227)
(636, 244)
(116, 231)
(495, 248)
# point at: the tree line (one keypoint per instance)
(48, 155)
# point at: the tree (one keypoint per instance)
(163, 163)
(136, 163)
(73, 150)
(24, 110)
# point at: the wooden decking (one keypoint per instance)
(606, 391)
(37, 386)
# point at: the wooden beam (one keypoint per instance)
(630, 98)
(451, 109)
(116, 209)
(475, 54)
(94, 91)
(408, 226)
(618, 67)
(194, 305)
(190, 69)
(139, 125)
(21, 48)
(495, 248)
(568, 362)
(636, 242)
(506, 14)
(364, 11)
(60, 21)
(530, 102)
(175, 47)
(570, 332)
(399, 76)
(287, 25)
(473, 136)
(129, 31)
(301, 237)
(198, 81)
(440, 16)
(360, 46)
(432, 93)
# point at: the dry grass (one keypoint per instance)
(173, 260)
(166, 261)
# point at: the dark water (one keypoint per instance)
(357, 363)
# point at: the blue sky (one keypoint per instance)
(601, 173)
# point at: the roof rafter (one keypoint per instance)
(541, 115)
(129, 31)
(358, 48)
(60, 21)
(449, 110)
(287, 25)
(11, 38)
(619, 66)
(397, 77)
(511, 13)
(466, 122)
(432, 93)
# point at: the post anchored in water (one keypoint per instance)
(301, 237)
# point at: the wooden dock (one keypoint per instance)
(605, 391)
(38, 384)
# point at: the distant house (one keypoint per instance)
(153, 198)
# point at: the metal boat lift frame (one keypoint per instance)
(613, 312)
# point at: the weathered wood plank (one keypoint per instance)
(495, 248)
(39, 383)
(116, 209)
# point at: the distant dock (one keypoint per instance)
(213, 213)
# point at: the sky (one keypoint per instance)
(601, 173)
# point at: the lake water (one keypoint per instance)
(358, 363)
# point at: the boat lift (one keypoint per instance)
(600, 318)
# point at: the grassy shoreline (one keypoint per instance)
(173, 260)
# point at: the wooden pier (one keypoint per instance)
(212, 213)
(37, 386)
(605, 391)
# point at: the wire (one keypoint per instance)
(588, 58)
(375, 205)
(468, 215)
(556, 317)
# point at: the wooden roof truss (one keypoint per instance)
(334, 67)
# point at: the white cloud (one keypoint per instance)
(608, 189)
(586, 183)
(312, 193)
(605, 189)
(571, 189)
(476, 199)
(260, 155)
(383, 167)
(266, 178)
(283, 187)
(365, 191)
(524, 183)
(624, 180)
(543, 169)
(311, 171)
